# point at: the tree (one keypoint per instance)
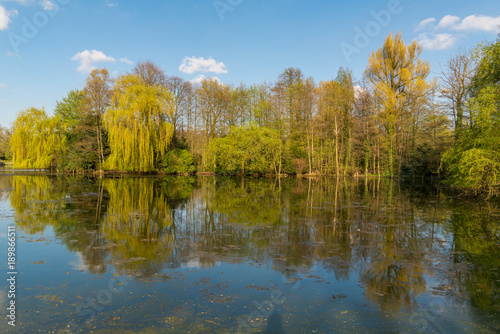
(214, 101)
(293, 109)
(473, 164)
(181, 91)
(249, 149)
(5, 135)
(336, 106)
(37, 140)
(457, 80)
(399, 81)
(150, 73)
(70, 108)
(137, 126)
(97, 99)
(79, 128)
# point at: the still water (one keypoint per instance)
(226, 255)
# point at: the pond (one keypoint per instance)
(225, 255)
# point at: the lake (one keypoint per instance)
(224, 255)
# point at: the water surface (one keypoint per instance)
(224, 255)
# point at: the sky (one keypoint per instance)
(49, 47)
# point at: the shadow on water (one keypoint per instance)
(274, 324)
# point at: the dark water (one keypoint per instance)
(222, 255)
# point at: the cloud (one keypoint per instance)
(436, 41)
(199, 79)
(422, 25)
(470, 23)
(452, 28)
(5, 16)
(2, 85)
(479, 22)
(125, 60)
(88, 58)
(192, 65)
(448, 22)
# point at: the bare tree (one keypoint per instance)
(181, 91)
(150, 73)
(457, 84)
(97, 96)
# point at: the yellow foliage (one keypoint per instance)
(399, 81)
(37, 140)
(137, 126)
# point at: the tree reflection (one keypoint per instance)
(138, 224)
(387, 233)
(476, 239)
(37, 202)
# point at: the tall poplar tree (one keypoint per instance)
(399, 80)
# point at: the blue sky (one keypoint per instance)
(48, 47)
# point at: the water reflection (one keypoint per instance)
(390, 236)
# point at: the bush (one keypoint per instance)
(245, 150)
(178, 161)
(475, 170)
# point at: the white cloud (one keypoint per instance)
(192, 65)
(125, 60)
(470, 23)
(437, 41)
(479, 22)
(448, 22)
(5, 16)
(88, 58)
(199, 79)
(422, 25)
(2, 85)
(452, 28)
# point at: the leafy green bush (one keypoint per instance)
(475, 170)
(178, 161)
(245, 150)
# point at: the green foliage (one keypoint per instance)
(473, 164)
(82, 153)
(178, 161)
(475, 170)
(69, 109)
(248, 149)
(80, 131)
(294, 157)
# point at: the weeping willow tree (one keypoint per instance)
(137, 126)
(37, 140)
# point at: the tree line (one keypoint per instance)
(395, 121)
